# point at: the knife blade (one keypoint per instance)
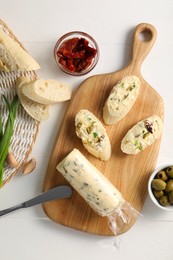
(60, 192)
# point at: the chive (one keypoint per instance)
(6, 101)
(1, 128)
(8, 129)
(135, 142)
(140, 147)
(95, 134)
(8, 132)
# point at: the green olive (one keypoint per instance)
(169, 185)
(162, 175)
(164, 201)
(158, 184)
(170, 196)
(169, 171)
(158, 193)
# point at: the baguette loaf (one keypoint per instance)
(121, 99)
(143, 134)
(47, 92)
(37, 111)
(13, 57)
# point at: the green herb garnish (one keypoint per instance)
(88, 129)
(8, 132)
(146, 135)
(136, 142)
(95, 134)
(140, 147)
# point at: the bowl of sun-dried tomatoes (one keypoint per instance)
(76, 53)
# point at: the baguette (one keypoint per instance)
(47, 92)
(37, 111)
(143, 134)
(121, 99)
(13, 57)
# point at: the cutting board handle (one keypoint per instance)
(144, 37)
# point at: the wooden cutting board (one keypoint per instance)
(129, 173)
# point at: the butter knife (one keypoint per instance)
(60, 192)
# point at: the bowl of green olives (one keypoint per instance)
(160, 187)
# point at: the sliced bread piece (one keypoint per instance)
(38, 111)
(47, 92)
(93, 135)
(121, 99)
(13, 57)
(141, 135)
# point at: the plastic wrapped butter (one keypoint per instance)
(96, 190)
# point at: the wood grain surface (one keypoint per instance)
(129, 173)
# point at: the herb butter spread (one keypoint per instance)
(143, 134)
(93, 135)
(90, 183)
(121, 99)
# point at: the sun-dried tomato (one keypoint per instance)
(75, 54)
(69, 45)
(149, 126)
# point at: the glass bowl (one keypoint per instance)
(83, 56)
(150, 191)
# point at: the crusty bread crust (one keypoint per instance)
(12, 56)
(36, 110)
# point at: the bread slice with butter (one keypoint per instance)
(143, 134)
(47, 92)
(93, 135)
(121, 99)
(13, 57)
(37, 111)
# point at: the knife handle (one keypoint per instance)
(60, 192)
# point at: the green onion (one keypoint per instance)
(8, 132)
(1, 133)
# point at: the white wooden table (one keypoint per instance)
(29, 234)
